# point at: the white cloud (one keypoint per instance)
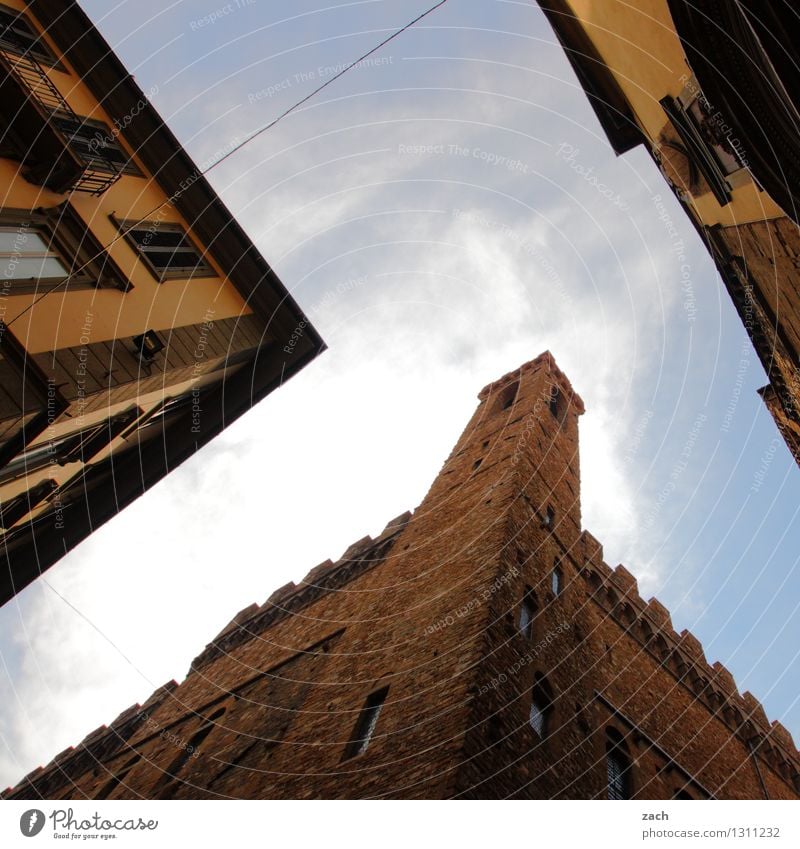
(447, 303)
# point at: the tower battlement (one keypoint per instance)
(492, 649)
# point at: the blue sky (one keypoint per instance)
(443, 215)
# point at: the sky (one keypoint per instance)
(443, 214)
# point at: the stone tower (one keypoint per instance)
(477, 648)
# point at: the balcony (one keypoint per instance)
(59, 149)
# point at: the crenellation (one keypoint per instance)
(316, 573)
(127, 714)
(449, 645)
(755, 710)
(625, 581)
(692, 646)
(684, 657)
(660, 616)
(592, 549)
(357, 549)
(724, 680)
(279, 596)
(781, 735)
(237, 620)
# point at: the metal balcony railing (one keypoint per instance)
(59, 115)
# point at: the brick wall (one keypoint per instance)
(431, 610)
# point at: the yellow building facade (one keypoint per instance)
(137, 319)
(710, 89)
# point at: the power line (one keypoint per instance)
(324, 85)
(230, 153)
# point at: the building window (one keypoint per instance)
(166, 250)
(70, 448)
(366, 723)
(40, 249)
(28, 258)
(527, 613)
(705, 142)
(508, 396)
(541, 707)
(549, 518)
(618, 766)
(555, 395)
(556, 580)
(19, 506)
(111, 785)
(168, 411)
(188, 751)
(17, 35)
(95, 144)
(538, 718)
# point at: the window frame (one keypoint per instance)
(541, 704)
(508, 396)
(527, 615)
(540, 725)
(128, 226)
(96, 162)
(619, 783)
(38, 48)
(556, 580)
(19, 506)
(366, 723)
(77, 446)
(68, 236)
(20, 285)
(700, 151)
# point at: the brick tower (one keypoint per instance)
(477, 648)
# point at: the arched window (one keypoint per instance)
(527, 613)
(189, 750)
(618, 766)
(541, 707)
(111, 785)
(365, 724)
(508, 396)
(556, 579)
(549, 518)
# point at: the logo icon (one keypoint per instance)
(31, 822)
